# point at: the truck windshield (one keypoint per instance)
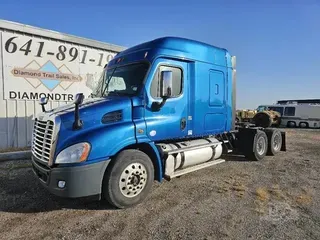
(261, 108)
(122, 80)
(273, 108)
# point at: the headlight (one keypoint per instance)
(74, 154)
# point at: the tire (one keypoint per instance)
(262, 119)
(303, 125)
(274, 142)
(257, 152)
(291, 124)
(128, 179)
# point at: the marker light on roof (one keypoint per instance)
(146, 54)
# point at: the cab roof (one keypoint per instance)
(183, 48)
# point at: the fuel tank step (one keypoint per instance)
(193, 168)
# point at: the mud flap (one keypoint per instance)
(284, 145)
(246, 139)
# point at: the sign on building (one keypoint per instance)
(37, 62)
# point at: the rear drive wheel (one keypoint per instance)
(259, 148)
(129, 179)
(274, 141)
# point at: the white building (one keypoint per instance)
(36, 62)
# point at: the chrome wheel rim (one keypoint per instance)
(276, 142)
(133, 180)
(261, 146)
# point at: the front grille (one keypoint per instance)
(42, 139)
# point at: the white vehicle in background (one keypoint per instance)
(303, 115)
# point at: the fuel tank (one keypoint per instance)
(181, 155)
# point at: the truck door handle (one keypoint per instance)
(183, 123)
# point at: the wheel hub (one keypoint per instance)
(276, 142)
(261, 146)
(133, 180)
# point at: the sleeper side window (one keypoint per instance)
(289, 111)
(177, 78)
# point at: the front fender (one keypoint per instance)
(157, 162)
(105, 140)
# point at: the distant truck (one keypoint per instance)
(245, 115)
(302, 115)
(264, 118)
(163, 108)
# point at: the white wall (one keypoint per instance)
(31, 66)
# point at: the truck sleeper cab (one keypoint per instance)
(162, 109)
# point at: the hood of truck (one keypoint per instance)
(104, 120)
(70, 106)
(93, 111)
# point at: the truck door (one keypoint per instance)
(171, 120)
(215, 119)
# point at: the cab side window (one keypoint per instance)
(177, 77)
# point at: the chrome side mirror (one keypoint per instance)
(79, 98)
(165, 90)
(166, 84)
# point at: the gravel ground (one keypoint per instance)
(277, 198)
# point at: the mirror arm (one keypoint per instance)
(77, 124)
(156, 106)
(164, 99)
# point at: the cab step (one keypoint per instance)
(193, 168)
(226, 143)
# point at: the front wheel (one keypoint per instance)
(129, 179)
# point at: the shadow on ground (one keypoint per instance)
(20, 192)
(235, 158)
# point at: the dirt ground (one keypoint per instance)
(277, 198)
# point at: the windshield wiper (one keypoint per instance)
(108, 81)
(114, 92)
(119, 93)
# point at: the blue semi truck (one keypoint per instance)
(162, 109)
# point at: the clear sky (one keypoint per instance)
(277, 44)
